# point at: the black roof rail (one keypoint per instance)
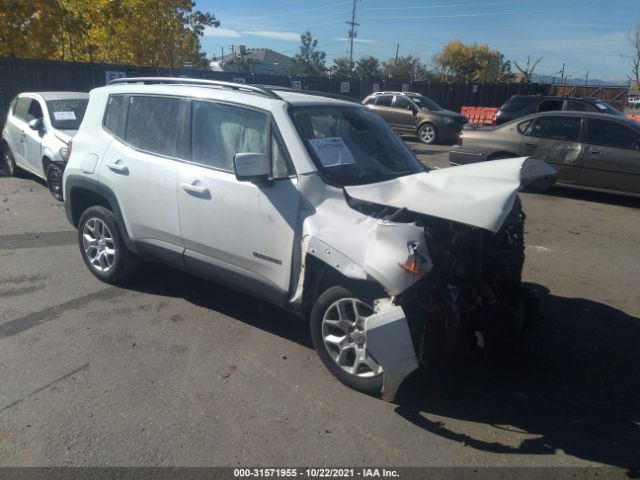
(241, 87)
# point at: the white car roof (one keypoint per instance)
(57, 95)
(213, 92)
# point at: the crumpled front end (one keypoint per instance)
(446, 246)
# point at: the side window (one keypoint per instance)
(612, 134)
(402, 102)
(114, 116)
(550, 105)
(522, 127)
(220, 131)
(35, 111)
(153, 124)
(22, 108)
(558, 128)
(577, 106)
(370, 101)
(384, 100)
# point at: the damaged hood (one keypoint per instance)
(479, 194)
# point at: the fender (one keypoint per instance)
(94, 188)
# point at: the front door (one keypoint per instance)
(556, 140)
(33, 140)
(239, 233)
(612, 160)
(403, 114)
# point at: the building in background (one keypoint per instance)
(257, 60)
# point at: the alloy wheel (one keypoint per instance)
(99, 246)
(345, 339)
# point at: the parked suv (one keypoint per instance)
(37, 132)
(310, 203)
(415, 114)
(520, 105)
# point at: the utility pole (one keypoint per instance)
(586, 79)
(397, 50)
(352, 33)
(562, 74)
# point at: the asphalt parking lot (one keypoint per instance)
(172, 370)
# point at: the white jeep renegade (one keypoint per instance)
(311, 203)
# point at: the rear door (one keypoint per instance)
(384, 108)
(557, 141)
(238, 233)
(403, 114)
(612, 159)
(141, 165)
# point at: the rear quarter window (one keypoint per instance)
(115, 115)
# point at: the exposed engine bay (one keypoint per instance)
(472, 297)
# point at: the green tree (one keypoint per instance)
(368, 68)
(342, 67)
(310, 61)
(405, 68)
(458, 61)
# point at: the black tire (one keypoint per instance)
(54, 181)
(369, 382)
(428, 133)
(10, 166)
(122, 263)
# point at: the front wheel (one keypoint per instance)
(337, 330)
(9, 162)
(427, 133)
(54, 181)
(103, 250)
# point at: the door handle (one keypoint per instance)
(532, 145)
(117, 167)
(197, 189)
(594, 152)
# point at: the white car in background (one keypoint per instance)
(37, 132)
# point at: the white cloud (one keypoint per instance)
(221, 32)
(286, 36)
(355, 40)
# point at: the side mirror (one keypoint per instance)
(36, 124)
(252, 167)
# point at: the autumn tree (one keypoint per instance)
(342, 67)
(407, 67)
(527, 70)
(161, 33)
(368, 68)
(309, 61)
(458, 61)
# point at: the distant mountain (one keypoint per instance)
(579, 81)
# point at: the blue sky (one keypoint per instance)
(585, 34)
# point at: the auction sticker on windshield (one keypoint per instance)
(332, 151)
(61, 116)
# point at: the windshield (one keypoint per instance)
(424, 102)
(67, 114)
(353, 145)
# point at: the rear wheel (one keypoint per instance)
(427, 133)
(103, 250)
(337, 330)
(54, 181)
